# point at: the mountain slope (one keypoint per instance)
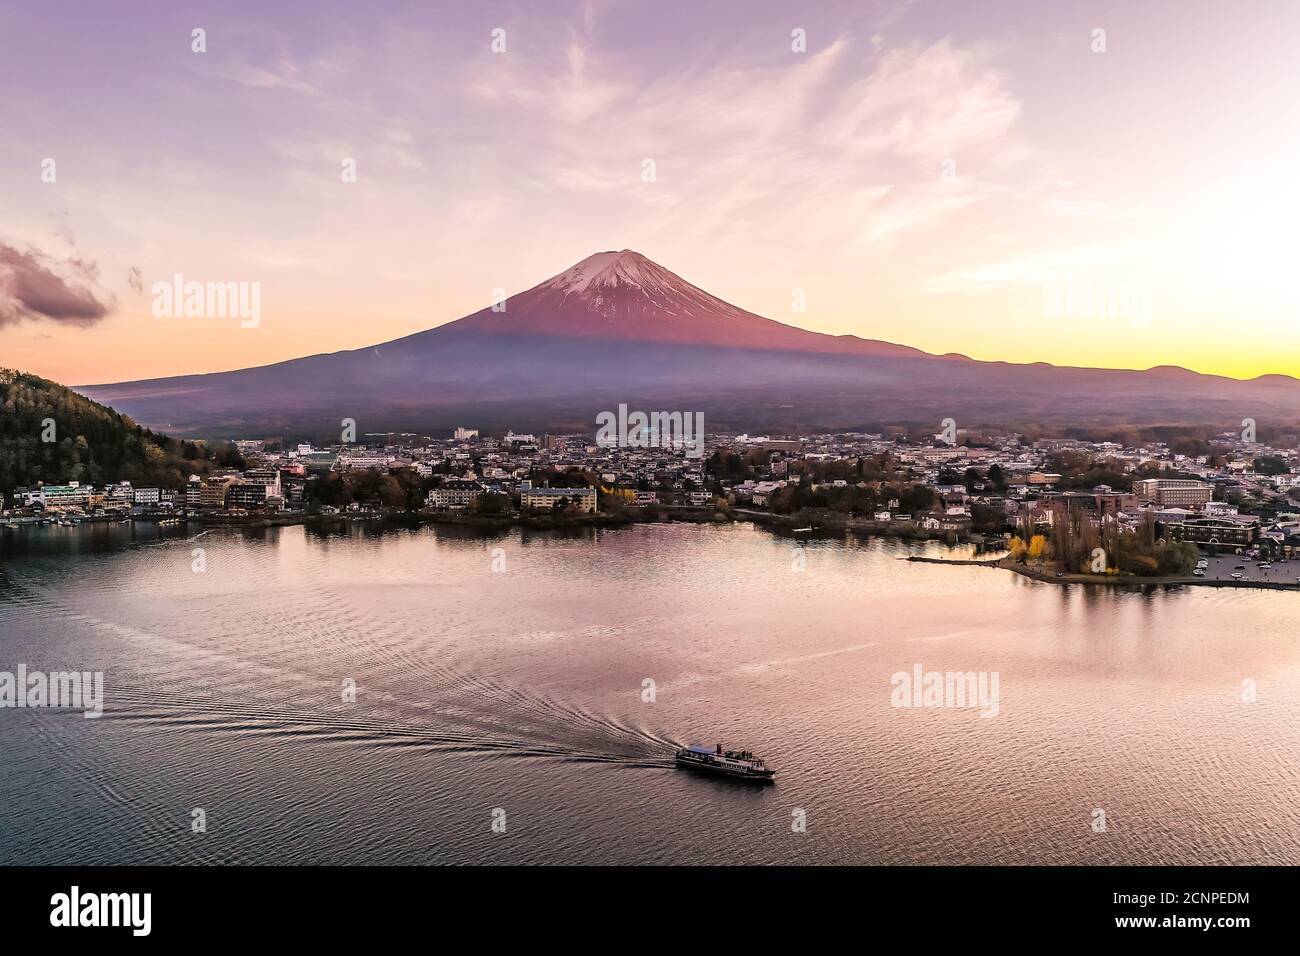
(617, 327)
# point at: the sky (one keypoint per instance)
(1081, 183)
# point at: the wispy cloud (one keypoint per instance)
(281, 75)
(840, 145)
(1028, 270)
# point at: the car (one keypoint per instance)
(1265, 566)
(1237, 575)
(1199, 572)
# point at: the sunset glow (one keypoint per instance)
(926, 175)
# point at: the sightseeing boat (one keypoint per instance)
(728, 763)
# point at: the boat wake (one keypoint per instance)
(531, 727)
(435, 708)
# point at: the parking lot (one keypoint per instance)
(1221, 568)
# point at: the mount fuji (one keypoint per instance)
(620, 328)
(624, 296)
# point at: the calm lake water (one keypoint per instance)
(521, 690)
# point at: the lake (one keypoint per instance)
(518, 699)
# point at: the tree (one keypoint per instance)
(727, 465)
(916, 498)
(491, 503)
(391, 493)
(1176, 558)
(986, 517)
(1270, 465)
(228, 456)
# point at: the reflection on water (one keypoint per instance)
(552, 675)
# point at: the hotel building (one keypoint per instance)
(1174, 492)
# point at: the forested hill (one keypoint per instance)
(91, 442)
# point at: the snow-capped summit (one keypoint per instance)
(626, 296)
(610, 268)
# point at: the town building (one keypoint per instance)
(1174, 492)
(454, 493)
(1225, 531)
(246, 494)
(544, 499)
(212, 492)
(58, 497)
(147, 497)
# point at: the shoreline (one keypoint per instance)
(1046, 576)
(820, 525)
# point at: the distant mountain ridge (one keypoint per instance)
(618, 327)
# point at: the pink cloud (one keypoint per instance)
(31, 289)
